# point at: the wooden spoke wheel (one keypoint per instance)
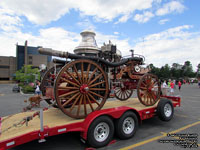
(82, 84)
(48, 81)
(122, 93)
(148, 89)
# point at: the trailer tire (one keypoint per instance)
(165, 109)
(126, 125)
(100, 132)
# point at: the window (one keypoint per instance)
(5, 67)
(30, 60)
(30, 57)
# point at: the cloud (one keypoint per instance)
(56, 38)
(174, 6)
(9, 22)
(142, 18)
(163, 21)
(167, 8)
(110, 9)
(46, 11)
(174, 45)
(123, 19)
(116, 33)
(38, 12)
(86, 24)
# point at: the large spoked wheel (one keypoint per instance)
(148, 89)
(83, 85)
(122, 93)
(48, 81)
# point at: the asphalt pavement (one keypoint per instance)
(152, 133)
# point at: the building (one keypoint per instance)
(7, 67)
(28, 55)
(25, 55)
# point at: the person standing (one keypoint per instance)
(164, 87)
(37, 90)
(184, 81)
(172, 88)
(169, 82)
(179, 85)
(174, 84)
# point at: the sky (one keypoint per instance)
(164, 31)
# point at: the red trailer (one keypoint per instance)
(97, 129)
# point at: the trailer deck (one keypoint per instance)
(55, 122)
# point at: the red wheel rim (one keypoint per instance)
(148, 89)
(84, 85)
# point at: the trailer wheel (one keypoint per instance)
(165, 109)
(100, 132)
(126, 125)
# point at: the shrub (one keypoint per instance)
(28, 89)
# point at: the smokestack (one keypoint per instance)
(88, 44)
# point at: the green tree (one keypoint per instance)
(198, 71)
(29, 76)
(154, 70)
(187, 70)
(177, 71)
(165, 71)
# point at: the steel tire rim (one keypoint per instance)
(168, 110)
(101, 132)
(128, 125)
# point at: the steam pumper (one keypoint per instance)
(83, 84)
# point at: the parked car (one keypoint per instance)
(16, 88)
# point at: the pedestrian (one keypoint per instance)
(164, 87)
(179, 85)
(37, 90)
(172, 88)
(184, 81)
(169, 82)
(174, 84)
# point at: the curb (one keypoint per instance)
(21, 92)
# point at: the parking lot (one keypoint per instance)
(152, 133)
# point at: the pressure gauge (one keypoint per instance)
(137, 68)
